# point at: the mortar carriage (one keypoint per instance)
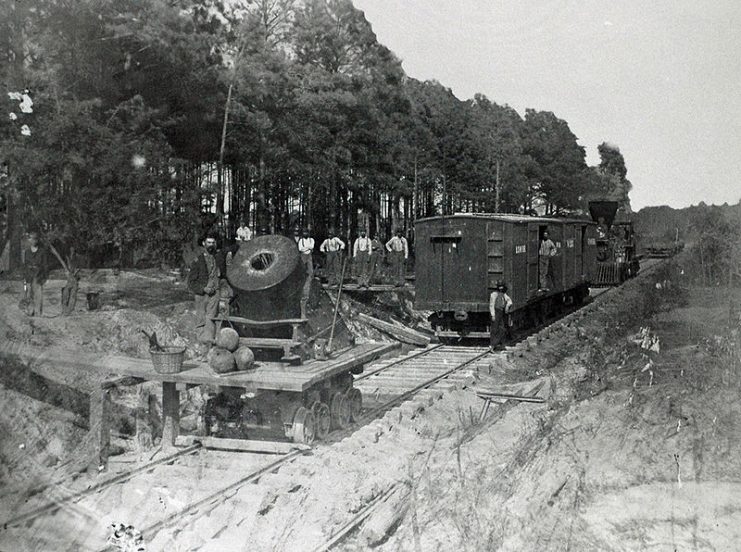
(461, 257)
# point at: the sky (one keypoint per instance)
(661, 79)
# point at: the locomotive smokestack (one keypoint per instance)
(603, 210)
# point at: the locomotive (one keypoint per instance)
(616, 245)
(461, 257)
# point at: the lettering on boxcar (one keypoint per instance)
(570, 243)
(520, 249)
(592, 241)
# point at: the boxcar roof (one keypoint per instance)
(509, 218)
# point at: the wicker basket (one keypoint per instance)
(169, 361)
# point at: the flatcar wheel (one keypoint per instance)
(340, 410)
(354, 400)
(322, 418)
(304, 426)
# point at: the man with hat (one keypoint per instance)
(362, 256)
(204, 281)
(499, 306)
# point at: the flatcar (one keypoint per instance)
(617, 258)
(461, 257)
(304, 393)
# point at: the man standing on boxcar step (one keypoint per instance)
(306, 248)
(35, 272)
(499, 306)
(399, 250)
(362, 255)
(332, 247)
(203, 282)
(547, 250)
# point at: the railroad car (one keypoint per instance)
(617, 258)
(461, 257)
(298, 397)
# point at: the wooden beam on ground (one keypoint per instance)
(407, 335)
(261, 323)
(240, 445)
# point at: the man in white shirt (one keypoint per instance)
(399, 253)
(332, 247)
(243, 232)
(306, 248)
(362, 254)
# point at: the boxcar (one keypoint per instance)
(459, 259)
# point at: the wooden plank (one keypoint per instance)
(100, 427)
(260, 323)
(240, 445)
(170, 413)
(406, 335)
(268, 342)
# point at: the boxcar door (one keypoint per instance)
(579, 253)
(568, 256)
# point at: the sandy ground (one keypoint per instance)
(620, 457)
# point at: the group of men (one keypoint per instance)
(367, 254)
(209, 268)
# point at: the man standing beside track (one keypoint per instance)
(35, 272)
(399, 250)
(499, 306)
(546, 251)
(332, 247)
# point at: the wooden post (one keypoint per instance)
(170, 413)
(100, 426)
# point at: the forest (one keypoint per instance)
(131, 127)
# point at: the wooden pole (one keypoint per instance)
(337, 305)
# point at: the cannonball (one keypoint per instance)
(221, 361)
(245, 358)
(228, 339)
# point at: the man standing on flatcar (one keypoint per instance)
(547, 250)
(306, 248)
(332, 247)
(362, 254)
(499, 306)
(399, 250)
(376, 259)
(204, 283)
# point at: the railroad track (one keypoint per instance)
(386, 384)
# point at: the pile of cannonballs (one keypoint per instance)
(227, 356)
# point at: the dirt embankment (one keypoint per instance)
(641, 451)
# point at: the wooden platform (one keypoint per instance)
(274, 376)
